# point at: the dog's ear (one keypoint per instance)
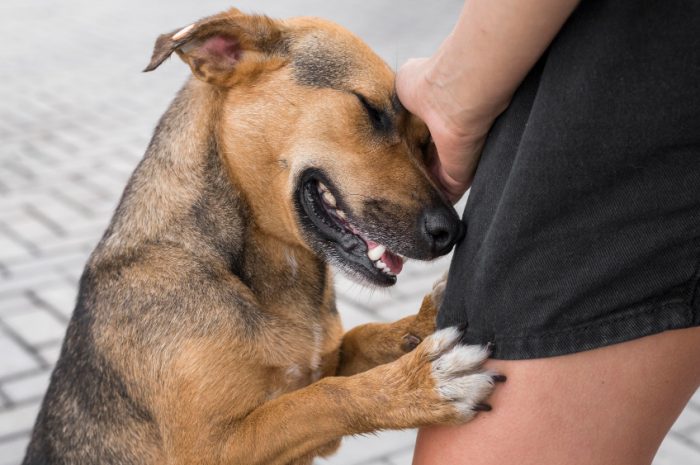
(217, 46)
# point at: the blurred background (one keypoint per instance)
(76, 115)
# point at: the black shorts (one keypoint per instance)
(583, 222)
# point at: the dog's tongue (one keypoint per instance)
(394, 262)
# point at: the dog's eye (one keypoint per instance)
(379, 118)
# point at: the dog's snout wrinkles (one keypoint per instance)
(441, 229)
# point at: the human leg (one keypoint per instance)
(612, 405)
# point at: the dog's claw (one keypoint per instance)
(499, 378)
(482, 408)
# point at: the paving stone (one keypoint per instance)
(356, 450)
(404, 457)
(38, 327)
(57, 212)
(17, 420)
(14, 358)
(14, 304)
(687, 421)
(351, 316)
(60, 297)
(12, 451)
(11, 249)
(28, 227)
(50, 353)
(79, 242)
(693, 434)
(27, 388)
(42, 267)
(675, 450)
(695, 400)
(28, 281)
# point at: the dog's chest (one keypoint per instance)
(303, 367)
(305, 329)
(297, 376)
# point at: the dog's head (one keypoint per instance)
(312, 131)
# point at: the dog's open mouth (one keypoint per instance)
(352, 247)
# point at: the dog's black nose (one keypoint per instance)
(441, 229)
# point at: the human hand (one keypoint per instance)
(458, 129)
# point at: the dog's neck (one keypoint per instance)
(182, 193)
(167, 197)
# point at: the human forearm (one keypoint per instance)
(492, 47)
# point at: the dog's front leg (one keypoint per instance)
(374, 344)
(439, 382)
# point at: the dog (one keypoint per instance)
(205, 329)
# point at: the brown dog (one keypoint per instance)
(205, 329)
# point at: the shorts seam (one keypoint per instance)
(644, 320)
(694, 294)
(604, 321)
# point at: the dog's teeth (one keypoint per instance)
(380, 264)
(388, 272)
(341, 214)
(328, 198)
(376, 253)
(322, 187)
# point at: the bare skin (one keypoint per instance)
(612, 405)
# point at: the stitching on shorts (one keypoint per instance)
(607, 321)
(694, 288)
(695, 281)
(691, 303)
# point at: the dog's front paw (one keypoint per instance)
(423, 324)
(459, 380)
(459, 375)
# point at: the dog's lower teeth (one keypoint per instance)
(380, 264)
(341, 214)
(376, 253)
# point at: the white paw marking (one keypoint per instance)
(441, 340)
(458, 373)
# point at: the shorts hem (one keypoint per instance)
(629, 325)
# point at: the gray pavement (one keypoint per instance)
(75, 117)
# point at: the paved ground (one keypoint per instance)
(75, 117)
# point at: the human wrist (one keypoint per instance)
(462, 92)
